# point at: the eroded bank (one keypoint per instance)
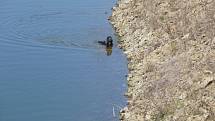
(170, 45)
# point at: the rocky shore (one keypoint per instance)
(170, 46)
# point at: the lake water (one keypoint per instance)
(51, 67)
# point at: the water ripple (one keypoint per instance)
(20, 31)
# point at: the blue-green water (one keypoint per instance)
(51, 67)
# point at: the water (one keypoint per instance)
(51, 67)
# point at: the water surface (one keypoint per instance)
(51, 68)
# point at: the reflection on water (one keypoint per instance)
(51, 65)
(109, 51)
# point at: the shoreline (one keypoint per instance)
(170, 49)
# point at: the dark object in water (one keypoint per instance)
(108, 42)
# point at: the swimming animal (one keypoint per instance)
(108, 42)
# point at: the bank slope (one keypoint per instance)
(170, 45)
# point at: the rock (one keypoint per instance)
(170, 46)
